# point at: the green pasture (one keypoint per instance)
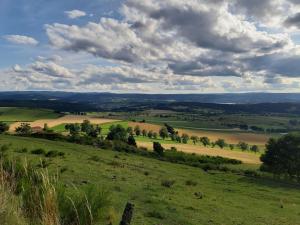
(196, 197)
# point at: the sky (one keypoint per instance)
(150, 46)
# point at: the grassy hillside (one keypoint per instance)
(196, 197)
(12, 114)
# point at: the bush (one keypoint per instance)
(158, 149)
(168, 183)
(38, 151)
(131, 141)
(123, 147)
(52, 154)
(3, 127)
(190, 183)
(95, 158)
(155, 214)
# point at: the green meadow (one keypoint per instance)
(13, 114)
(193, 197)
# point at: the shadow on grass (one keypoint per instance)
(271, 182)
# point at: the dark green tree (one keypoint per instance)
(254, 148)
(73, 128)
(131, 141)
(221, 143)
(163, 133)
(244, 146)
(94, 131)
(205, 141)
(170, 129)
(137, 130)
(231, 146)
(86, 126)
(117, 132)
(195, 139)
(283, 156)
(158, 149)
(3, 127)
(185, 138)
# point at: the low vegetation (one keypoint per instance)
(31, 196)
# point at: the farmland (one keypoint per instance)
(58, 125)
(62, 120)
(13, 114)
(227, 198)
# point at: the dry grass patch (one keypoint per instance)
(245, 157)
(62, 120)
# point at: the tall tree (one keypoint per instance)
(283, 156)
(163, 133)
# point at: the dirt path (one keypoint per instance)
(62, 120)
(243, 156)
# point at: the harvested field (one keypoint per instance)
(245, 157)
(229, 137)
(63, 120)
(146, 126)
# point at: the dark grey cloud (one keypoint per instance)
(275, 64)
(293, 21)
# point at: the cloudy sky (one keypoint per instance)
(150, 46)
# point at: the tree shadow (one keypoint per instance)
(271, 182)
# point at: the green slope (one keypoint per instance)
(227, 198)
(12, 114)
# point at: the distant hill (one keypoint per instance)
(245, 98)
(254, 103)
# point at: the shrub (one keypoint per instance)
(158, 149)
(95, 158)
(190, 183)
(38, 151)
(131, 141)
(167, 183)
(51, 154)
(155, 214)
(3, 127)
(123, 147)
(63, 169)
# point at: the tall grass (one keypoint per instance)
(32, 194)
